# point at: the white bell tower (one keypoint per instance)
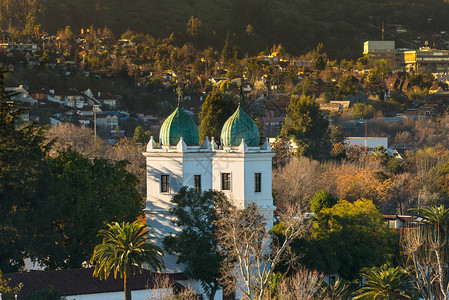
(240, 168)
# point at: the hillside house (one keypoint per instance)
(107, 99)
(69, 97)
(20, 94)
(107, 121)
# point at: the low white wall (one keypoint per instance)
(136, 295)
(370, 142)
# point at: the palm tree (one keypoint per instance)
(385, 283)
(125, 247)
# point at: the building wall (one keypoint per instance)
(375, 46)
(138, 295)
(182, 166)
(370, 142)
(198, 164)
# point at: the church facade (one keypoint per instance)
(240, 168)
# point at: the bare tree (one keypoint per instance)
(126, 149)
(303, 285)
(164, 288)
(297, 181)
(79, 138)
(252, 251)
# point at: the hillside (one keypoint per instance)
(298, 25)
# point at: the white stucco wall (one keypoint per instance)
(136, 295)
(182, 166)
(370, 142)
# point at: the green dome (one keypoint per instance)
(240, 126)
(177, 125)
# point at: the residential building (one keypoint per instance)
(107, 121)
(69, 97)
(20, 94)
(107, 99)
(8, 47)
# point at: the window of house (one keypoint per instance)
(257, 182)
(165, 183)
(225, 181)
(197, 183)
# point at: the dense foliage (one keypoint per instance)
(345, 238)
(217, 108)
(307, 127)
(82, 187)
(298, 25)
(25, 209)
(47, 203)
(196, 244)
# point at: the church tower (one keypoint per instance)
(240, 168)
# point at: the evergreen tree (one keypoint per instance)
(90, 194)
(196, 244)
(25, 208)
(141, 136)
(227, 53)
(217, 108)
(305, 124)
(347, 237)
(322, 199)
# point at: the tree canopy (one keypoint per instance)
(82, 187)
(322, 199)
(25, 205)
(305, 124)
(217, 108)
(196, 245)
(347, 237)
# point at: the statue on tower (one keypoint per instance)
(179, 91)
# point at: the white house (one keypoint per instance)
(22, 95)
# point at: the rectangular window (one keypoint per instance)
(165, 183)
(257, 182)
(225, 181)
(197, 183)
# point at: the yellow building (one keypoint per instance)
(427, 60)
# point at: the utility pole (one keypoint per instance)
(95, 108)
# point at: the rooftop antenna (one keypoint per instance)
(179, 91)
